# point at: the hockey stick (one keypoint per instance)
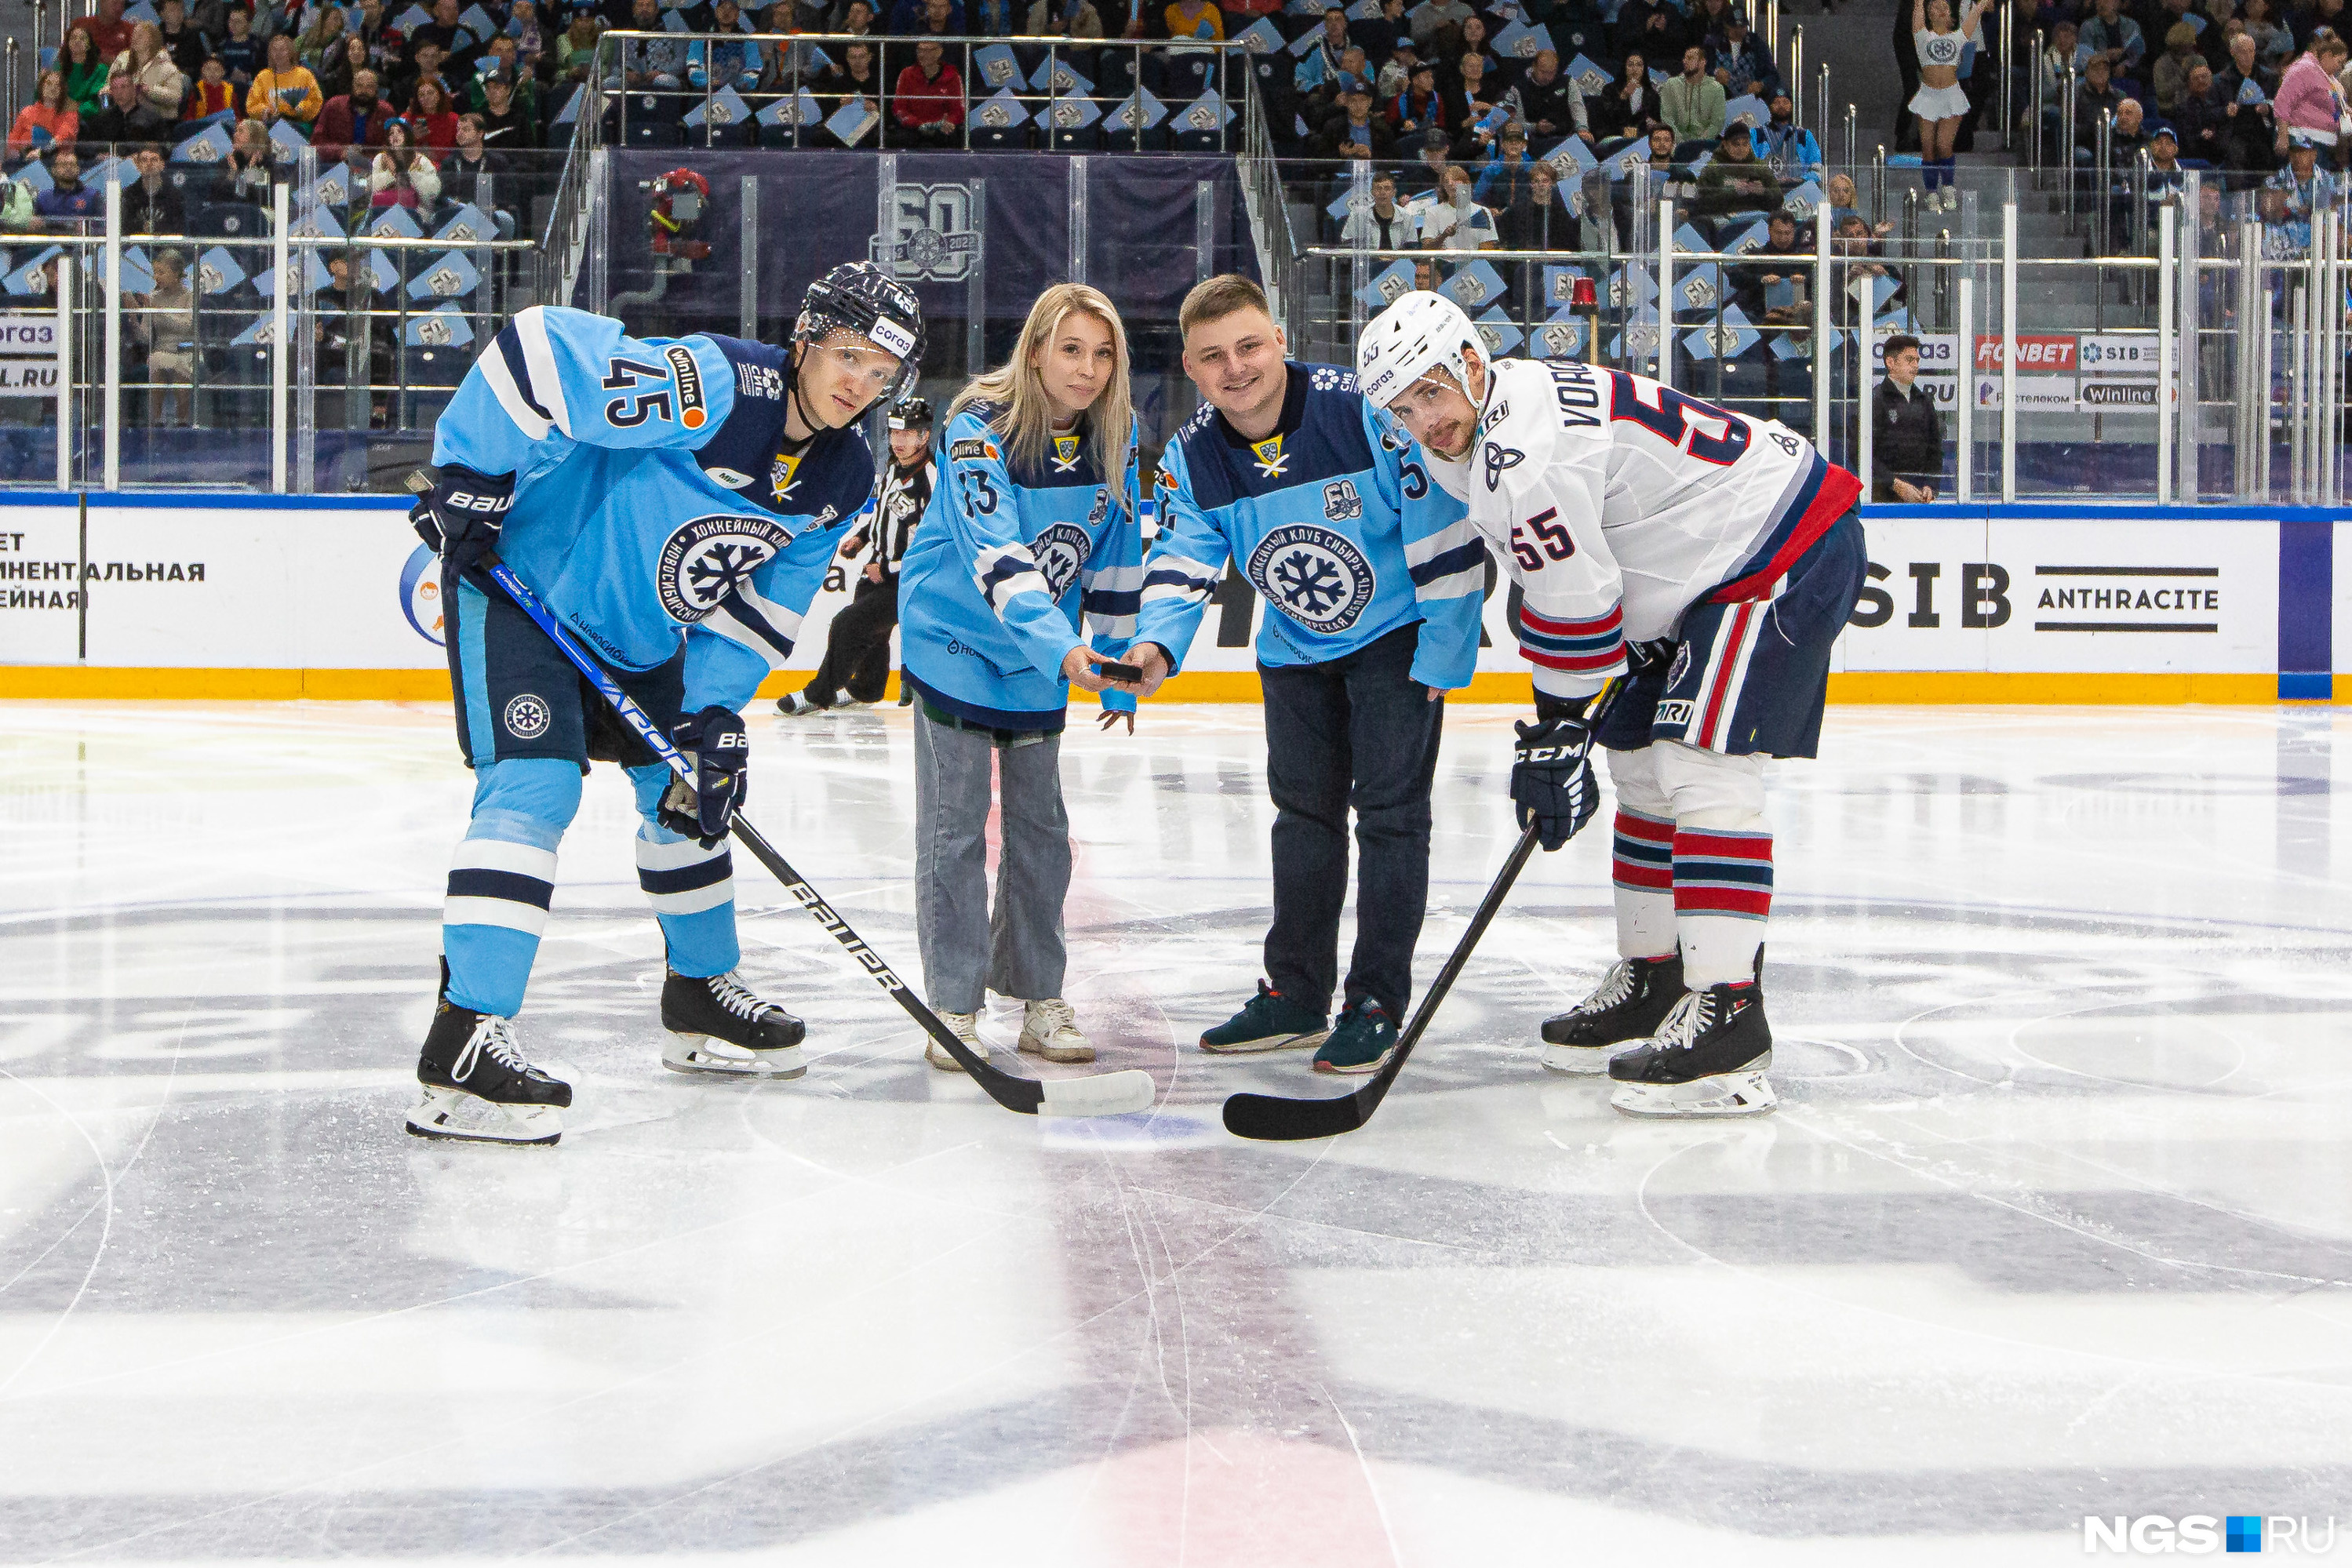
(1102, 1094)
(1274, 1118)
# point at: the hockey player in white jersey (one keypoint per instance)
(1714, 557)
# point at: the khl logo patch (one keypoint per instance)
(1318, 578)
(527, 715)
(705, 560)
(1680, 666)
(1060, 552)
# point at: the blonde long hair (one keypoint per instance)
(1026, 421)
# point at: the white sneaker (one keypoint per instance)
(792, 705)
(1050, 1028)
(965, 1027)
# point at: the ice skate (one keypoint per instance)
(1631, 1000)
(965, 1027)
(1706, 1059)
(478, 1087)
(719, 1027)
(1050, 1028)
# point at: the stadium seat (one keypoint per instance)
(744, 135)
(1085, 139)
(1198, 142)
(431, 376)
(658, 105)
(1002, 139)
(652, 133)
(780, 136)
(1687, 150)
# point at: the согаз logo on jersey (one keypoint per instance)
(527, 715)
(1060, 552)
(707, 559)
(1318, 577)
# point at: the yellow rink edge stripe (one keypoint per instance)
(52, 681)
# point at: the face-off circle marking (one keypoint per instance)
(1316, 576)
(705, 560)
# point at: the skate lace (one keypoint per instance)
(730, 993)
(1692, 1016)
(1615, 986)
(494, 1037)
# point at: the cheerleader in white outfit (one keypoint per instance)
(1939, 103)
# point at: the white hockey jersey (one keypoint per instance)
(1617, 504)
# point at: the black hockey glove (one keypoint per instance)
(460, 516)
(1656, 653)
(715, 744)
(1551, 779)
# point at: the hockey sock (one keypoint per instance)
(1723, 892)
(1643, 868)
(502, 879)
(692, 889)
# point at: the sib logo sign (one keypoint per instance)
(933, 235)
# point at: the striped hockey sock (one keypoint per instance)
(1723, 893)
(1643, 870)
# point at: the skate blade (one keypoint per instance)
(1311, 1041)
(452, 1116)
(1577, 1061)
(1744, 1093)
(706, 1058)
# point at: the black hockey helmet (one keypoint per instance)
(912, 414)
(859, 297)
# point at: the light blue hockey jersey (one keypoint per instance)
(653, 503)
(1332, 518)
(1007, 558)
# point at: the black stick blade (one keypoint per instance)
(1271, 1119)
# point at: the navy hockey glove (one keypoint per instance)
(1640, 658)
(720, 753)
(1551, 779)
(461, 514)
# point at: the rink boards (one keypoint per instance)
(240, 596)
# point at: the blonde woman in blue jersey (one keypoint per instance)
(1031, 527)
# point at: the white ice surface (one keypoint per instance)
(2056, 1219)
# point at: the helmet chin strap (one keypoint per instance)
(793, 392)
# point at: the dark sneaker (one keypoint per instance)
(1708, 1059)
(1270, 1021)
(1631, 1000)
(1364, 1040)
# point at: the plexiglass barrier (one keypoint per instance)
(2198, 360)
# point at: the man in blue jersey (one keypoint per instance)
(1374, 578)
(675, 502)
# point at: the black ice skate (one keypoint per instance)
(1706, 1059)
(718, 1026)
(1631, 1000)
(478, 1087)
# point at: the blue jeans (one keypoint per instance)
(1357, 731)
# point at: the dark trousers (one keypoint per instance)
(857, 649)
(1359, 732)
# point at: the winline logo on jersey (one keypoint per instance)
(2206, 1534)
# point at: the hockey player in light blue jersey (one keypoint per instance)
(1031, 530)
(674, 504)
(1374, 578)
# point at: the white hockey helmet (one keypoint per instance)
(1420, 332)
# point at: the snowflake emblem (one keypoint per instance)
(1308, 582)
(721, 569)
